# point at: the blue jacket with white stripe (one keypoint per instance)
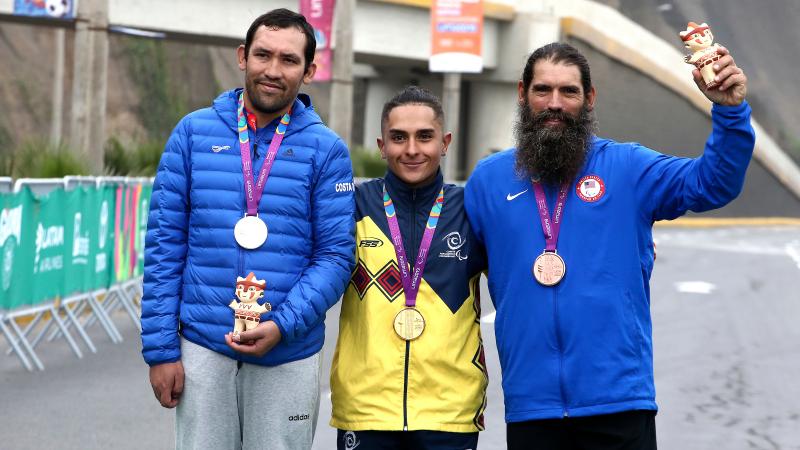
(584, 346)
(192, 259)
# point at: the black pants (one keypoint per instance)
(405, 440)
(629, 430)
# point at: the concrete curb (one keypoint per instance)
(715, 222)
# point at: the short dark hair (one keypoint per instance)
(413, 95)
(558, 52)
(283, 18)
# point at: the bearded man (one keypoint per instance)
(566, 218)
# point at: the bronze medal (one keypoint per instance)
(549, 269)
(409, 324)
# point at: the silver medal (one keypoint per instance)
(250, 232)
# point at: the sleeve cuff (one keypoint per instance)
(278, 320)
(736, 110)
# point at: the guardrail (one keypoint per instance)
(71, 255)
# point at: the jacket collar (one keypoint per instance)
(403, 193)
(303, 113)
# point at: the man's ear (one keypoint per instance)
(381, 148)
(520, 93)
(241, 57)
(448, 137)
(309, 75)
(590, 98)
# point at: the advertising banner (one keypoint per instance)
(103, 246)
(143, 211)
(69, 242)
(17, 235)
(456, 32)
(319, 14)
(59, 9)
(50, 246)
(87, 224)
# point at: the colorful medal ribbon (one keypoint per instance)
(411, 282)
(552, 227)
(253, 193)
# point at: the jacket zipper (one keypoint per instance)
(559, 344)
(565, 411)
(405, 388)
(240, 264)
(408, 343)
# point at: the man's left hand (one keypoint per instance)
(731, 81)
(255, 342)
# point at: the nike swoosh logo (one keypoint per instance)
(510, 197)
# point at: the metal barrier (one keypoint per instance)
(6, 184)
(40, 317)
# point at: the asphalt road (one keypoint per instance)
(725, 305)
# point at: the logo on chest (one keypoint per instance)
(455, 244)
(590, 188)
(370, 242)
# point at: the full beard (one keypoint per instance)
(553, 155)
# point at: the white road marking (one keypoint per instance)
(489, 318)
(793, 250)
(695, 287)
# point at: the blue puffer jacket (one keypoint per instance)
(192, 259)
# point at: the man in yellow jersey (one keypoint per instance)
(409, 369)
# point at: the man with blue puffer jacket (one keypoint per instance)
(566, 218)
(251, 222)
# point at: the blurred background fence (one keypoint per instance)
(72, 254)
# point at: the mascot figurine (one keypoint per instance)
(698, 39)
(247, 312)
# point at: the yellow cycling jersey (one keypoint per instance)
(438, 381)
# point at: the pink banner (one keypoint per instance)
(319, 14)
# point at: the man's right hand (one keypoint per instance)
(731, 81)
(167, 382)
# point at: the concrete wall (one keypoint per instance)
(492, 109)
(228, 19)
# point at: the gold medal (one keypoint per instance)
(549, 268)
(409, 324)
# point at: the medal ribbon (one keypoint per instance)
(411, 282)
(253, 193)
(550, 227)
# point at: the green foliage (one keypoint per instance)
(139, 160)
(161, 106)
(37, 158)
(367, 163)
(6, 141)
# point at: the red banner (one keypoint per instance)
(319, 14)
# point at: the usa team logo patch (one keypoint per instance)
(591, 188)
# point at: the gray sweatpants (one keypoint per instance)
(227, 407)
